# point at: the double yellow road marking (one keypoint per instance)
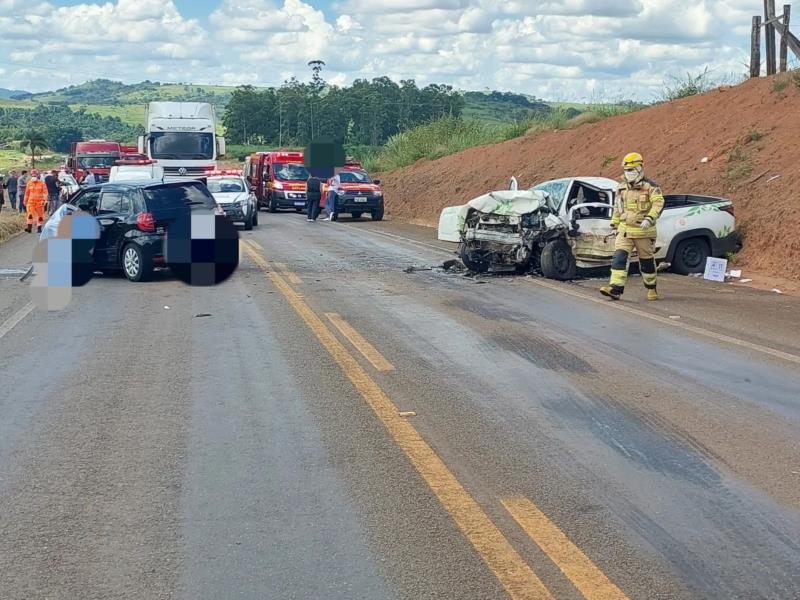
(515, 575)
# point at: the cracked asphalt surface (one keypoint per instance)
(148, 452)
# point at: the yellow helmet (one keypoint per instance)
(632, 160)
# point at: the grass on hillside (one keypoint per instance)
(133, 114)
(8, 103)
(452, 135)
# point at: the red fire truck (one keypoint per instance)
(96, 156)
(278, 179)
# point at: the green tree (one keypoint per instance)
(33, 140)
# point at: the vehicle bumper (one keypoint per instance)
(349, 204)
(289, 199)
(235, 213)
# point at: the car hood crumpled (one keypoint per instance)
(512, 203)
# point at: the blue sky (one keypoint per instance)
(570, 50)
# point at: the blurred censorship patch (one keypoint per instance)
(202, 249)
(62, 259)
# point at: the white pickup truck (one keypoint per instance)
(561, 225)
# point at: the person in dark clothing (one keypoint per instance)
(2, 191)
(22, 183)
(11, 185)
(313, 195)
(51, 181)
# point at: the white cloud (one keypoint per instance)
(572, 49)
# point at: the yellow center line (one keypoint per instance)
(14, 319)
(254, 243)
(720, 337)
(582, 572)
(516, 576)
(367, 350)
(293, 279)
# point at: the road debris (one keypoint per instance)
(745, 280)
(734, 273)
(415, 269)
(675, 317)
(454, 265)
(705, 159)
(407, 413)
(166, 307)
(198, 315)
(777, 291)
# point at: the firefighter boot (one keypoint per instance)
(611, 291)
(28, 228)
(652, 295)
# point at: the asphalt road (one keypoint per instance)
(328, 425)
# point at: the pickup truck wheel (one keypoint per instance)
(477, 261)
(690, 256)
(557, 261)
(356, 215)
(377, 214)
(273, 206)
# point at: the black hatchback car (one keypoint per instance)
(133, 219)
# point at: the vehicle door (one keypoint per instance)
(588, 212)
(113, 216)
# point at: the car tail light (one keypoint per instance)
(146, 222)
(728, 209)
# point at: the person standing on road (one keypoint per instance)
(313, 196)
(2, 191)
(35, 201)
(89, 178)
(330, 202)
(22, 183)
(11, 185)
(52, 183)
(638, 205)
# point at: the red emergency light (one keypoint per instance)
(131, 161)
(290, 155)
(220, 173)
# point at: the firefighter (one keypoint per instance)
(35, 200)
(638, 205)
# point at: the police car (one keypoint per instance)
(234, 196)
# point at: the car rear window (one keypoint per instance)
(174, 199)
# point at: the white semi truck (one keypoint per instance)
(182, 137)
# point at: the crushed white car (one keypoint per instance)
(559, 226)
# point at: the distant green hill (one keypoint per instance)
(6, 93)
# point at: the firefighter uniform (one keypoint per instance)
(638, 205)
(35, 202)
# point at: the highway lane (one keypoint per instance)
(549, 446)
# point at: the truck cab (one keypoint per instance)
(182, 137)
(93, 156)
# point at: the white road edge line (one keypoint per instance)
(720, 337)
(14, 319)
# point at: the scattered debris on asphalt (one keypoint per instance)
(27, 274)
(454, 265)
(415, 269)
(675, 317)
(166, 307)
(777, 291)
(198, 315)
(734, 274)
(407, 413)
(745, 280)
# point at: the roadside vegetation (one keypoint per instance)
(11, 222)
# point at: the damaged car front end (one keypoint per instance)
(513, 230)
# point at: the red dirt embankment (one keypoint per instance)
(751, 134)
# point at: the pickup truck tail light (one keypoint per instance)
(146, 222)
(728, 209)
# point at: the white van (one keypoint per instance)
(136, 173)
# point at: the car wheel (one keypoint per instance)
(377, 214)
(690, 256)
(356, 215)
(557, 261)
(248, 223)
(134, 265)
(255, 217)
(474, 259)
(273, 206)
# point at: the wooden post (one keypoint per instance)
(787, 12)
(769, 35)
(755, 48)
